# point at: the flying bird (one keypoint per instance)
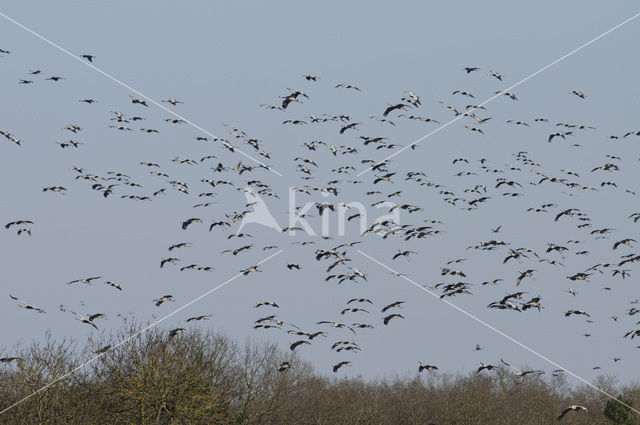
(26, 305)
(573, 408)
(392, 108)
(427, 367)
(190, 221)
(388, 318)
(87, 280)
(163, 299)
(348, 86)
(337, 366)
(297, 344)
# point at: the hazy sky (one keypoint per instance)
(223, 60)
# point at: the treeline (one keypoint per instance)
(206, 378)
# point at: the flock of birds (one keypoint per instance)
(511, 182)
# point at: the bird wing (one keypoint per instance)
(564, 412)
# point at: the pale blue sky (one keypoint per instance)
(223, 61)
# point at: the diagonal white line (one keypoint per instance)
(124, 341)
(531, 350)
(131, 89)
(500, 93)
